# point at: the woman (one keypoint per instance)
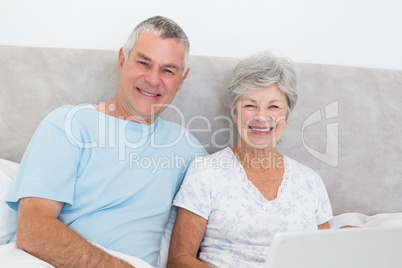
(232, 202)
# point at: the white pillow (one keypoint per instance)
(8, 217)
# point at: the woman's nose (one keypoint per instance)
(266, 117)
(265, 114)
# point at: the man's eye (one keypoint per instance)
(143, 63)
(168, 71)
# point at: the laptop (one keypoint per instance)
(379, 247)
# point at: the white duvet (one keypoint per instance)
(11, 256)
(363, 221)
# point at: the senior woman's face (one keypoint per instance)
(261, 116)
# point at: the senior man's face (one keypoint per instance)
(150, 77)
(261, 117)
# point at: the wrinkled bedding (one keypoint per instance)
(361, 220)
(12, 257)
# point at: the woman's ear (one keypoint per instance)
(230, 108)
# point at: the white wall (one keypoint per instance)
(365, 33)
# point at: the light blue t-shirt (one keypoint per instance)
(117, 178)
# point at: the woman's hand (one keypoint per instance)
(324, 225)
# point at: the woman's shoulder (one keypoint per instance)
(217, 172)
(223, 159)
(295, 167)
(218, 167)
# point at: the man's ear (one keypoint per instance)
(183, 78)
(121, 60)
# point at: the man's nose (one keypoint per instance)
(152, 77)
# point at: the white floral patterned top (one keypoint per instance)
(241, 221)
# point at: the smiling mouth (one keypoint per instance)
(261, 130)
(148, 94)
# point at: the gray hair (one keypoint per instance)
(162, 27)
(261, 70)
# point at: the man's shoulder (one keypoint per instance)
(175, 134)
(67, 112)
(165, 124)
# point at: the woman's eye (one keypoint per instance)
(249, 106)
(274, 107)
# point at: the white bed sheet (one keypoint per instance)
(12, 257)
(361, 220)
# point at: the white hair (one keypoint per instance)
(261, 70)
(163, 28)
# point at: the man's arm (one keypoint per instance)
(41, 234)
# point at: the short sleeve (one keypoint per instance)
(324, 209)
(196, 192)
(49, 166)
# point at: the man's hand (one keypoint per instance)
(41, 234)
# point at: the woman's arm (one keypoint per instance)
(187, 234)
(324, 225)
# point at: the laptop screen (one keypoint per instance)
(356, 247)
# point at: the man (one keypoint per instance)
(108, 174)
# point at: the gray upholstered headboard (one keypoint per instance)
(347, 124)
